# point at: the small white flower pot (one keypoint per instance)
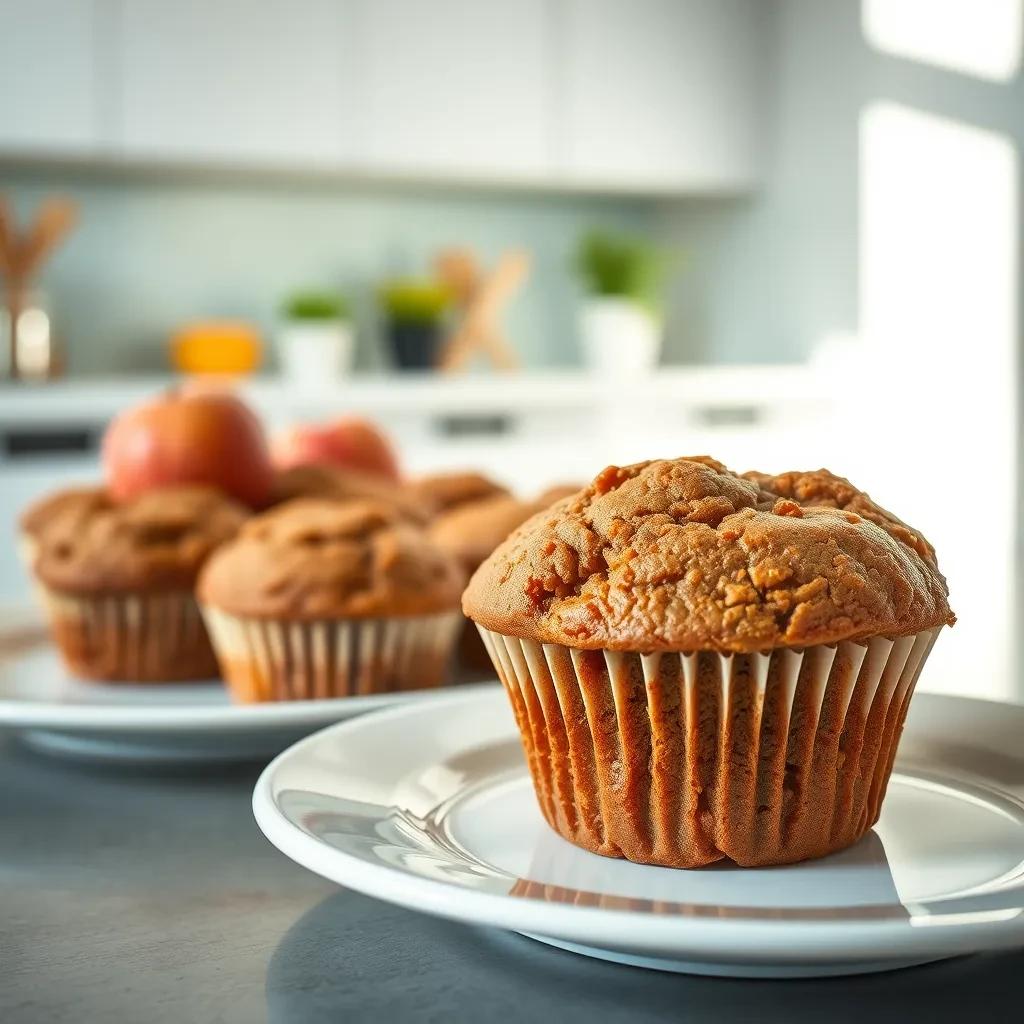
(619, 337)
(312, 352)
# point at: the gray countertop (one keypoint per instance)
(128, 895)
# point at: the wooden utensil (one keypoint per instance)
(22, 256)
(54, 219)
(481, 297)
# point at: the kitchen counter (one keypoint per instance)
(693, 387)
(129, 895)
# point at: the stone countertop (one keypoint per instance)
(135, 895)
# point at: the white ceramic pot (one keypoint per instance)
(619, 336)
(314, 351)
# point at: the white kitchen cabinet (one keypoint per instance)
(456, 87)
(234, 81)
(49, 89)
(659, 93)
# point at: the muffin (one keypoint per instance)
(117, 582)
(471, 532)
(337, 484)
(705, 665)
(442, 492)
(68, 507)
(321, 598)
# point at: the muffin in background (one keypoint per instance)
(321, 598)
(470, 532)
(65, 509)
(117, 581)
(706, 665)
(442, 492)
(323, 481)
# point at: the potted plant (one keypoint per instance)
(316, 341)
(620, 326)
(415, 311)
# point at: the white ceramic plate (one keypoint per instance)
(431, 807)
(171, 722)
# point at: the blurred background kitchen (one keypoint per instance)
(535, 237)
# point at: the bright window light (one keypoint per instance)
(977, 37)
(938, 313)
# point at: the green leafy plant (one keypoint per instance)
(314, 305)
(415, 300)
(623, 266)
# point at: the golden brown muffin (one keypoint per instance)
(471, 532)
(159, 541)
(72, 504)
(119, 586)
(556, 493)
(443, 492)
(685, 555)
(707, 665)
(321, 598)
(336, 484)
(316, 559)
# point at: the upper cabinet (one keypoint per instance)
(49, 93)
(234, 81)
(659, 93)
(451, 86)
(645, 95)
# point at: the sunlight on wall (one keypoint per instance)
(977, 37)
(938, 248)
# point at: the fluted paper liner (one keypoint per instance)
(683, 759)
(144, 637)
(269, 660)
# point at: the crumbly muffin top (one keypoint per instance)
(323, 559)
(336, 484)
(441, 492)
(686, 555)
(71, 505)
(158, 541)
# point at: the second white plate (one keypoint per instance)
(431, 807)
(172, 722)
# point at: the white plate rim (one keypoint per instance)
(693, 937)
(111, 717)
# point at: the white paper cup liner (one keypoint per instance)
(684, 759)
(268, 660)
(157, 637)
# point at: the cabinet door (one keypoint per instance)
(456, 87)
(233, 80)
(659, 93)
(48, 87)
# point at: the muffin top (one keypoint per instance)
(323, 559)
(70, 505)
(336, 484)
(443, 491)
(472, 531)
(685, 555)
(158, 541)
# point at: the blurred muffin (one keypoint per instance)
(321, 598)
(441, 492)
(470, 533)
(67, 507)
(556, 493)
(336, 484)
(707, 665)
(117, 582)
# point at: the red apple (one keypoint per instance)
(188, 436)
(349, 442)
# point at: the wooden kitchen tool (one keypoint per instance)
(22, 256)
(480, 297)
